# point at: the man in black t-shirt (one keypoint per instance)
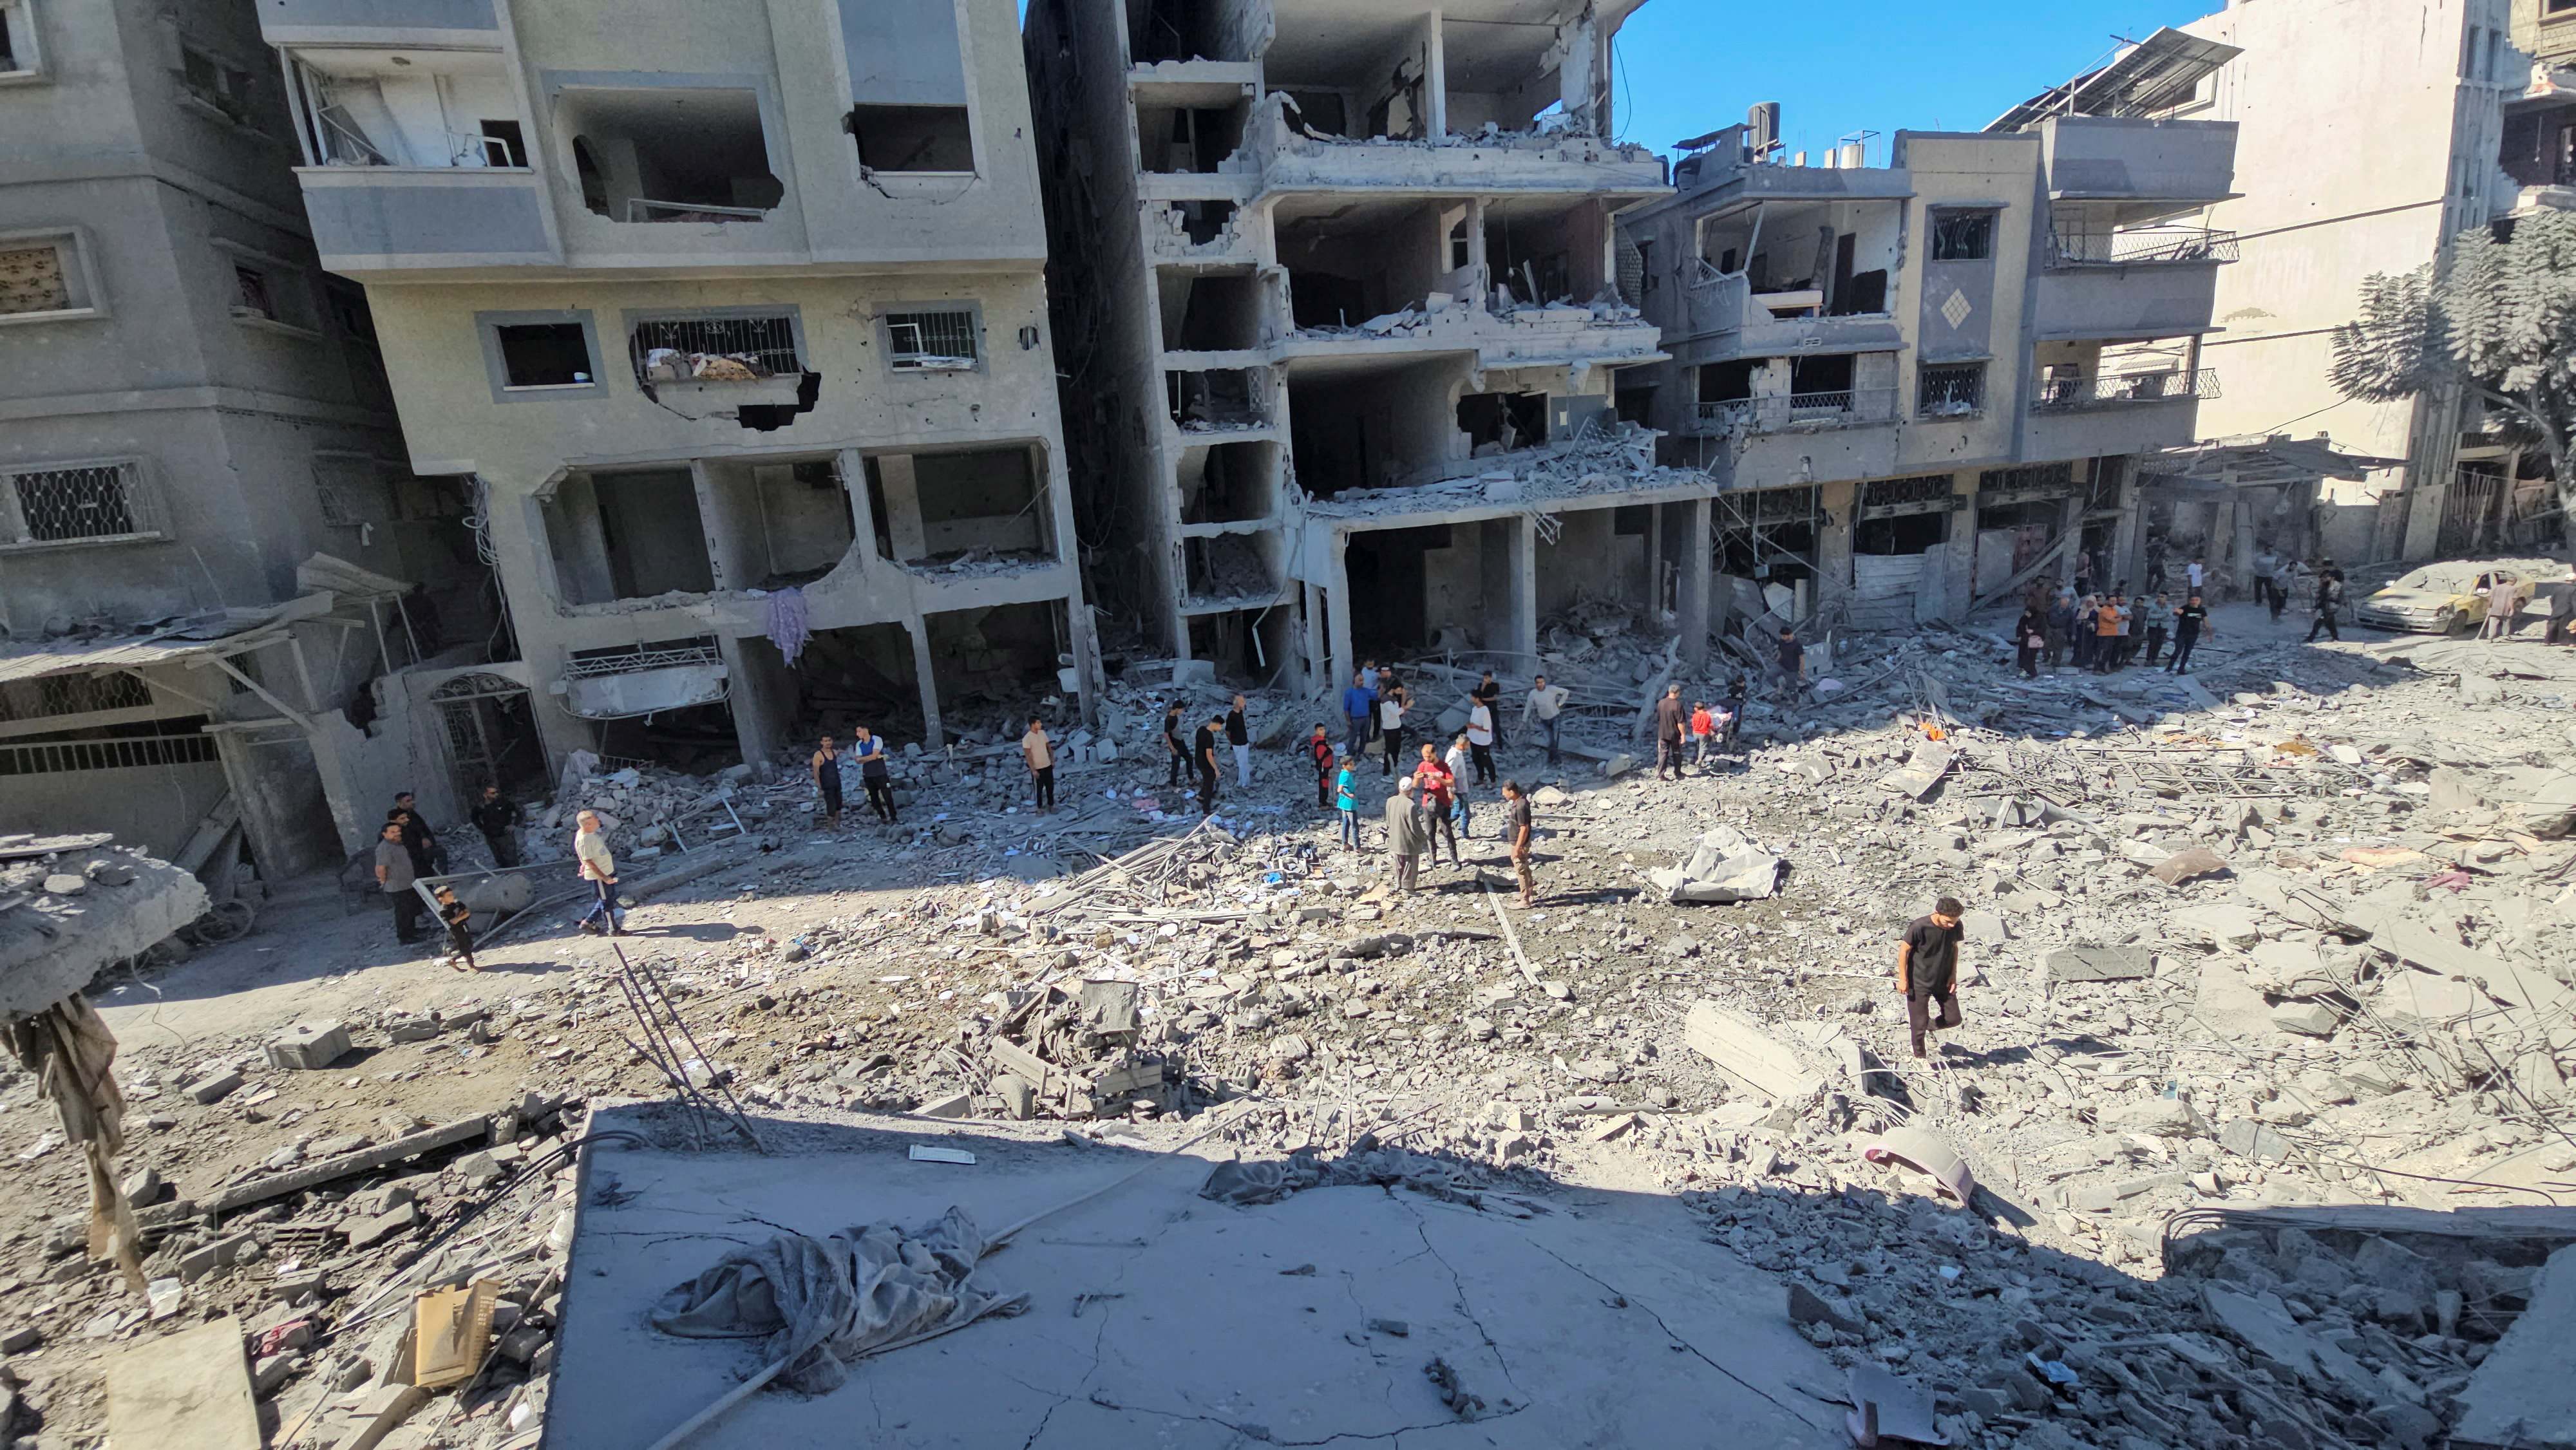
(1172, 750)
(1927, 970)
(1203, 751)
(2189, 621)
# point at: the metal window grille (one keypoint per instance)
(765, 345)
(59, 505)
(120, 753)
(72, 695)
(1962, 236)
(1951, 390)
(2030, 479)
(931, 339)
(31, 279)
(1888, 493)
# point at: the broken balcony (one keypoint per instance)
(1808, 393)
(641, 679)
(745, 368)
(1227, 568)
(1775, 276)
(1294, 153)
(2069, 391)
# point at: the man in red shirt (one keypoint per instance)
(1437, 786)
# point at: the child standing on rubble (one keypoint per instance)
(1319, 748)
(1346, 800)
(460, 937)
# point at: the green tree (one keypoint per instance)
(2494, 315)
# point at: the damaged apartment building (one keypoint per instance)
(220, 578)
(1917, 384)
(1341, 321)
(735, 315)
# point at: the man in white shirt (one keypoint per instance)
(2197, 574)
(1545, 700)
(1480, 741)
(590, 848)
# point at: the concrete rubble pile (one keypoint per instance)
(2290, 943)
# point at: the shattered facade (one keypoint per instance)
(195, 410)
(1341, 324)
(1916, 384)
(735, 313)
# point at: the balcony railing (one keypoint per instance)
(2066, 395)
(1781, 413)
(2142, 247)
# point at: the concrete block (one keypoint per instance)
(1808, 1307)
(2219, 926)
(2102, 1197)
(1618, 765)
(2099, 964)
(217, 1088)
(223, 1253)
(480, 1168)
(1751, 1056)
(412, 1029)
(379, 1414)
(309, 1046)
(954, 1105)
(1019, 1097)
(272, 1372)
(1984, 927)
(369, 1231)
(2188, 865)
(2247, 1138)
(2156, 1117)
(1613, 1126)
(185, 1391)
(2308, 1019)
(21, 1339)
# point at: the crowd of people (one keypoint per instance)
(2110, 630)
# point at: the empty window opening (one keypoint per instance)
(1200, 222)
(628, 536)
(772, 525)
(1160, 30)
(1227, 566)
(1907, 534)
(1825, 379)
(1360, 76)
(1501, 422)
(1352, 260)
(1215, 399)
(697, 739)
(859, 675)
(996, 665)
(17, 53)
(930, 341)
(1766, 535)
(424, 108)
(216, 84)
(250, 294)
(671, 153)
(1388, 568)
(1806, 259)
(1962, 236)
(954, 509)
(913, 138)
(743, 368)
(87, 503)
(1210, 311)
(1187, 139)
(1228, 483)
(544, 355)
(1727, 382)
(1951, 390)
(1247, 646)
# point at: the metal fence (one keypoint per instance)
(125, 752)
(670, 654)
(87, 501)
(768, 344)
(2065, 394)
(1838, 409)
(2141, 247)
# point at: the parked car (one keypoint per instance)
(2442, 597)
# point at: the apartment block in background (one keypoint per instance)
(1919, 383)
(1340, 324)
(193, 410)
(736, 313)
(2359, 154)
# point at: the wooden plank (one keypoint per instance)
(1026, 1065)
(183, 1391)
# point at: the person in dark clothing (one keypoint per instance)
(825, 766)
(1736, 689)
(1203, 750)
(875, 774)
(1489, 693)
(1319, 748)
(1927, 970)
(497, 817)
(2189, 621)
(427, 855)
(394, 877)
(2030, 636)
(2329, 599)
(1174, 751)
(453, 915)
(1238, 738)
(2158, 617)
(1791, 662)
(1671, 716)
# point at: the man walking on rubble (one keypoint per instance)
(1791, 662)
(1927, 970)
(2329, 598)
(1405, 836)
(1435, 782)
(1203, 750)
(1176, 754)
(590, 848)
(1039, 752)
(1359, 708)
(875, 776)
(394, 877)
(2189, 621)
(1670, 718)
(1545, 700)
(1489, 693)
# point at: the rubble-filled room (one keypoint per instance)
(1230, 565)
(1433, 587)
(1210, 309)
(841, 678)
(1370, 422)
(1229, 483)
(962, 508)
(995, 666)
(1809, 258)
(1542, 249)
(1351, 73)
(1246, 646)
(1184, 128)
(1351, 258)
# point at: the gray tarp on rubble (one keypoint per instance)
(822, 1302)
(1725, 866)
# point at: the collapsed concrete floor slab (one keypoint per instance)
(1574, 1315)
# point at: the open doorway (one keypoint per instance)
(491, 737)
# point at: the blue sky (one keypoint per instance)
(1690, 66)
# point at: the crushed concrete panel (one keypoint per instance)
(2522, 1394)
(184, 1391)
(1745, 1052)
